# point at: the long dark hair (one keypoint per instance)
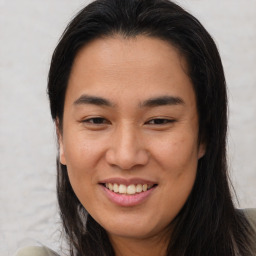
(208, 223)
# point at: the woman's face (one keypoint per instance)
(130, 125)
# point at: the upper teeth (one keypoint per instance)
(130, 190)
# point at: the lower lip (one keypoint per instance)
(128, 200)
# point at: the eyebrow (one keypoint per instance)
(152, 102)
(94, 100)
(162, 101)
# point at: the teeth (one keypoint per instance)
(122, 189)
(139, 188)
(116, 188)
(129, 190)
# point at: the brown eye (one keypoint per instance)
(96, 121)
(160, 121)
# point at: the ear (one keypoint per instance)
(60, 142)
(201, 150)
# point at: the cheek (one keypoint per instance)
(80, 161)
(178, 154)
(179, 164)
(82, 156)
(178, 160)
(81, 152)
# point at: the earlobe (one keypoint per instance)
(201, 150)
(60, 142)
(62, 155)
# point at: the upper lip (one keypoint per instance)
(127, 182)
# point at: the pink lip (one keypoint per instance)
(127, 200)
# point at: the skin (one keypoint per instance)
(130, 139)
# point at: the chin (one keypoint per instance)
(135, 228)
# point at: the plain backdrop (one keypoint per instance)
(29, 31)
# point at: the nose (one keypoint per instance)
(127, 149)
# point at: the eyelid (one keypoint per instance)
(94, 118)
(164, 120)
(100, 121)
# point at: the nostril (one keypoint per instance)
(126, 159)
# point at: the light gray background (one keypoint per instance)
(29, 31)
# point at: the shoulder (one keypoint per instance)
(250, 214)
(35, 251)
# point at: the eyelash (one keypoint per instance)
(160, 121)
(95, 121)
(103, 121)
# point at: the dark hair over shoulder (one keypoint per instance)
(208, 224)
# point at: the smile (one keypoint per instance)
(128, 190)
(128, 195)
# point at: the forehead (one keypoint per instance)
(137, 67)
(139, 50)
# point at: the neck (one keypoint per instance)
(152, 246)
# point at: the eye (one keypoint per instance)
(96, 121)
(160, 121)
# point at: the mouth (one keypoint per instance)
(128, 192)
(131, 189)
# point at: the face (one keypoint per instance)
(130, 134)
